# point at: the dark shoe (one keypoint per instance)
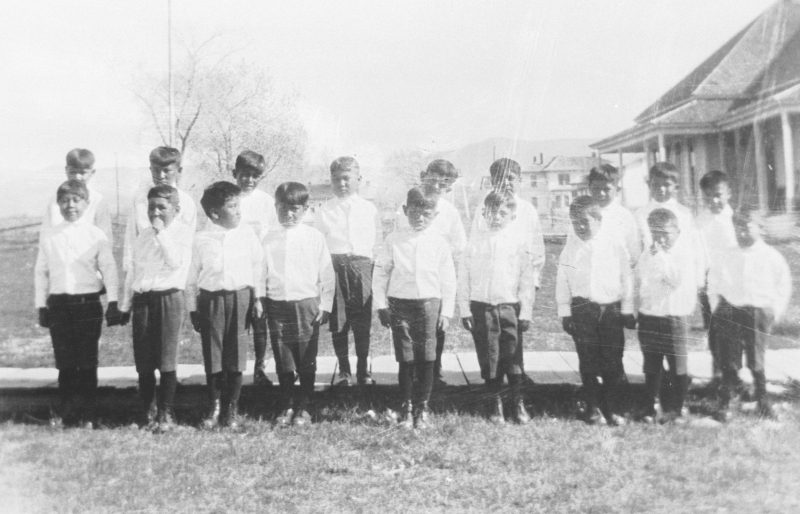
(232, 419)
(497, 416)
(260, 378)
(212, 419)
(285, 418)
(422, 419)
(765, 410)
(366, 379)
(166, 421)
(593, 416)
(520, 413)
(86, 425)
(148, 418)
(342, 379)
(406, 418)
(615, 420)
(301, 419)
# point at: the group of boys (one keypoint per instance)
(258, 266)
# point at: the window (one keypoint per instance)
(534, 183)
(535, 202)
(558, 202)
(575, 194)
(563, 179)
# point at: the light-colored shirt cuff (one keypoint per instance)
(564, 310)
(448, 306)
(464, 310)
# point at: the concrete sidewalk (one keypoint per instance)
(542, 367)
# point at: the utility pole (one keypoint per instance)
(169, 67)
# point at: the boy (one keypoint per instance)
(258, 211)
(80, 166)
(226, 270)
(414, 289)
(300, 287)
(496, 290)
(68, 290)
(165, 168)
(748, 291)
(437, 179)
(715, 226)
(154, 296)
(351, 228)
(618, 222)
(668, 278)
(594, 292)
(662, 180)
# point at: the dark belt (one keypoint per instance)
(76, 298)
(222, 292)
(156, 294)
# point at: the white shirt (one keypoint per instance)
(717, 234)
(350, 225)
(526, 222)
(96, 213)
(415, 265)
(598, 269)
(258, 211)
(224, 260)
(757, 276)
(138, 221)
(447, 224)
(298, 266)
(160, 262)
(496, 268)
(70, 256)
(620, 224)
(667, 282)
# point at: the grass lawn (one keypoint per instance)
(24, 344)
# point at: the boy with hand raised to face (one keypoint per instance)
(258, 211)
(67, 277)
(594, 293)
(154, 296)
(223, 294)
(496, 289)
(352, 228)
(414, 290)
(300, 286)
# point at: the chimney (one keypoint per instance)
(541, 158)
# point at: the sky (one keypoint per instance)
(371, 77)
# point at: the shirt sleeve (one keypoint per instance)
(174, 246)
(381, 273)
(257, 255)
(476, 220)
(714, 278)
(527, 284)
(327, 278)
(538, 250)
(563, 293)
(783, 285)
(130, 237)
(464, 267)
(191, 280)
(41, 277)
(108, 268)
(127, 289)
(627, 280)
(447, 281)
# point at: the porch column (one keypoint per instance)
(621, 177)
(761, 166)
(737, 141)
(686, 174)
(721, 145)
(662, 149)
(788, 159)
(646, 155)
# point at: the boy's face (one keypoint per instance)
(747, 232)
(585, 226)
(345, 182)
(78, 173)
(229, 215)
(717, 198)
(435, 184)
(290, 215)
(247, 179)
(603, 191)
(161, 209)
(419, 218)
(666, 234)
(508, 181)
(662, 189)
(72, 206)
(498, 217)
(166, 175)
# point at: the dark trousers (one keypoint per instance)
(413, 324)
(664, 338)
(224, 319)
(77, 392)
(495, 334)
(260, 338)
(713, 345)
(75, 325)
(352, 309)
(294, 336)
(157, 320)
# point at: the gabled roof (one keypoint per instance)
(564, 163)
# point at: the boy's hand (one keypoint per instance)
(322, 318)
(468, 323)
(258, 309)
(44, 317)
(383, 316)
(443, 323)
(629, 321)
(566, 324)
(524, 325)
(113, 314)
(124, 318)
(195, 319)
(158, 225)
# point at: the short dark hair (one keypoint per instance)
(73, 187)
(443, 168)
(661, 218)
(165, 155)
(603, 173)
(217, 194)
(345, 164)
(497, 199)
(416, 197)
(80, 158)
(251, 161)
(714, 178)
(664, 170)
(502, 167)
(291, 193)
(585, 204)
(166, 192)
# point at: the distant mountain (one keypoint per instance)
(473, 160)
